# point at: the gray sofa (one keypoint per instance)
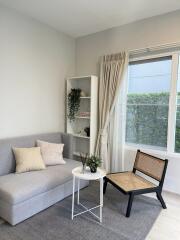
(23, 195)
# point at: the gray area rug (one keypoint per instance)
(55, 223)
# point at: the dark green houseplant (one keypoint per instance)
(93, 162)
(73, 103)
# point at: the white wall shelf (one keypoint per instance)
(78, 154)
(88, 103)
(80, 136)
(82, 117)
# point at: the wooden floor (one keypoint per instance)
(167, 226)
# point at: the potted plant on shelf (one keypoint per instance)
(73, 103)
(87, 131)
(93, 162)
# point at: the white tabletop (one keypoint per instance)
(88, 175)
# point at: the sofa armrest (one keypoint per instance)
(67, 139)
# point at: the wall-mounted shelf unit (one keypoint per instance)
(87, 115)
(80, 136)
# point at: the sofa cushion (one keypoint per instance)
(28, 159)
(16, 188)
(52, 153)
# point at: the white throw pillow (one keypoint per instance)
(52, 153)
(28, 159)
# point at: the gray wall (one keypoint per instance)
(150, 32)
(34, 61)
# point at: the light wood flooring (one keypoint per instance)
(167, 225)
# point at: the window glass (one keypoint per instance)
(177, 136)
(148, 102)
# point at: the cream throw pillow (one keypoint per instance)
(28, 159)
(52, 153)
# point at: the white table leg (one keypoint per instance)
(78, 191)
(74, 179)
(101, 198)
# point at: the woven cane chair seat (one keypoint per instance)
(129, 181)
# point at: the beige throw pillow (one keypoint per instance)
(52, 153)
(28, 159)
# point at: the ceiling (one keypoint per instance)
(82, 17)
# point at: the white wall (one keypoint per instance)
(34, 61)
(150, 32)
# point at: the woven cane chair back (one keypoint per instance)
(149, 165)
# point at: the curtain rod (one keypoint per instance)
(154, 48)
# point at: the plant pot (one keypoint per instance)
(93, 170)
(87, 131)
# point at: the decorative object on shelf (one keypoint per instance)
(84, 158)
(73, 103)
(79, 132)
(83, 94)
(93, 162)
(87, 131)
(84, 114)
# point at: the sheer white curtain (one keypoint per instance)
(117, 130)
(111, 111)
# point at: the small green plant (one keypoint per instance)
(73, 103)
(93, 162)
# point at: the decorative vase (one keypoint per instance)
(83, 94)
(83, 168)
(83, 161)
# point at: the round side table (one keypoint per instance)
(87, 175)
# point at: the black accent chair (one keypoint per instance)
(132, 184)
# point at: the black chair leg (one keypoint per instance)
(128, 212)
(104, 186)
(159, 197)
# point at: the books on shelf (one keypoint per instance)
(84, 114)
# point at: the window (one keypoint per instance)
(177, 136)
(148, 103)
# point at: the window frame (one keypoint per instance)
(170, 150)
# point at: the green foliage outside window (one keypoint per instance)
(147, 120)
